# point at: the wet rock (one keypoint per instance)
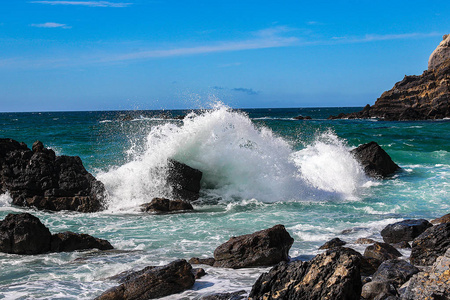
(395, 271)
(333, 274)
(375, 161)
(336, 242)
(43, 180)
(369, 265)
(202, 261)
(70, 241)
(302, 118)
(375, 289)
(24, 234)
(263, 248)
(198, 273)
(165, 205)
(239, 295)
(432, 243)
(364, 241)
(402, 245)
(381, 251)
(406, 230)
(154, 282)
(432, 284)
(443, 219)
(184, 180)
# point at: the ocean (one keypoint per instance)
(260, 168)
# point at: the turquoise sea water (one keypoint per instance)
(260, 168)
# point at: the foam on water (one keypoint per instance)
(239, 161)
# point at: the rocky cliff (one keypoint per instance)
(423, 97)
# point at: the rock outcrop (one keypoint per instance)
(163, 205)
(25, 234)
(395, 271)
(263, 248)
(184, 180)
(406, 230)
(375, 161)
(421, 97)
(334, 274)
(432, 243)
(40, 179)
(153, 282)
(443, 219)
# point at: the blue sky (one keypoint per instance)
(166, 54)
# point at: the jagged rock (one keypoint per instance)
(440, 54)
(375, 161)
(406, 230)
(381, 251)
(184, 180)
(202, 261)
(166, 205)
(263, 248)
(433, 283)
(154, 282)
(24, 234)
(70, 241)
(239, 295)
(415, 97)
(364, 241)
(395, 271)
(443, 219)
(43, 180)
(373, 289)
(432, 243)
(333, 274)
(336, 242)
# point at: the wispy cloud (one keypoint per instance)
(379, 37)
(245, 90)
(85, 3)
(51, 25)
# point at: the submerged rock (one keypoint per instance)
(43, 180)
(184, 180)
(334, 274)
(263, 248)
(166, 205)
(381, 251)
(70, 241)
(432, 243)
(375, 161)
(153, 282)
(406, 230)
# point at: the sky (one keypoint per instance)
(167, 54)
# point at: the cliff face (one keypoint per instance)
(416, 97)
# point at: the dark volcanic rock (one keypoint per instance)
(70, 241)
(263, 248)
(375, 161)
(184, 180)
(374, 289)
(364, 241)
(198, 273)
(202, 261)
(239, 295)
(333, 274)
(302, 118)
(395, 271)
(24, 234)
(432, 243)
(443, 219)
(154, 282)
(41, 179)
(336, 242)
(421, 97)
(381, 251)
(406, 230)
(432, 284)
(166, 205)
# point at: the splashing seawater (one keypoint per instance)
(239, 161)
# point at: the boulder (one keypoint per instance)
(43, 180)
(395, 271)
(443, 219)
(374, 289)
(381, 251)
(202, 261)
(184, 180)
(433, 283)
(336, 242)
(432, 243)
(402, 245)
(161, 205)
(24, 234)
(440, 54)
(263, 248)
(198, 273)
(406, 230)
(154, 282)
(333, 274)
(70, 241)
(364, 241)
(239, 295)
(375, 161)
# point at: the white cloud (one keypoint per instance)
(86, 3)
(51, 25)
